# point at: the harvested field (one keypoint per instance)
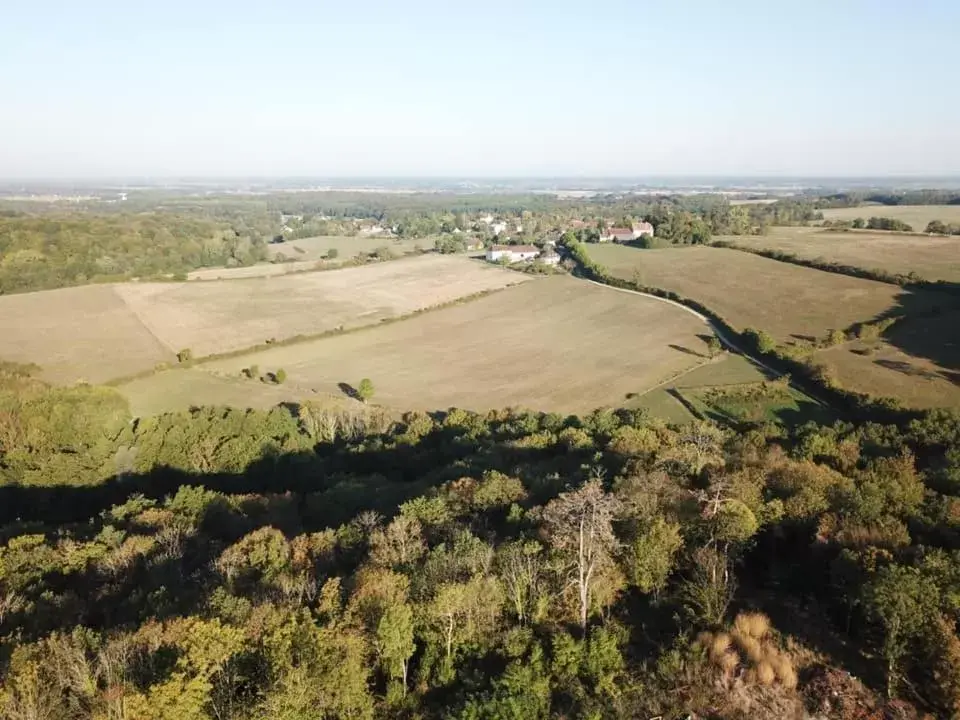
(931, 257)
(254, 271)
(917, 216)
(218, 317)
(556, 344)
(785, 300)
(82, 333)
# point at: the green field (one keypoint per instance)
(726, 391)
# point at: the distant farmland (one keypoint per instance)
(102, 332)
(930, 257)
(226, 316)
(750, 291)
(347, 247)
(555, 344)
(917, 216)
(311, 254)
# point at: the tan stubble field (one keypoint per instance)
(556, 344)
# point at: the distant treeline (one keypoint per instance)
(907, 197)
(39, 253)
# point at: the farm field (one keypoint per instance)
(918, 362)
(916, 216)
(254, 271)
(555, 344)
(311, 254)
(81, 333)
(316, 248)
(930, 257)
(218, 317)
(785, 300)
(179, 388)
(98, 333)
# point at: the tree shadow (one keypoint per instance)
(349, 390)
(686, 351)
(927, 323)
(907, 369)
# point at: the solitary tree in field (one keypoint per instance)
(713, 346)
(333, 254)
(185, 355)
(365, 390)
(281, 376)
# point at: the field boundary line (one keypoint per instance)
(146, 326)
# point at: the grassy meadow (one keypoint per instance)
(917, 216)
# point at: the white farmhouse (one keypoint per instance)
(512, 253)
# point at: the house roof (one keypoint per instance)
(515, 248)
(621, 231)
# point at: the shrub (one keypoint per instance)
(365, 390)
(185, 356)
(280, 376)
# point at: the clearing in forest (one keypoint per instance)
(932, 257)
(556, 344)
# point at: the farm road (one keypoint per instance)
(703, 318)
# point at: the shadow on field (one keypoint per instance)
(927, 327)
(349, 390)
(686, 351)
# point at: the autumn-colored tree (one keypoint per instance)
(579, 525)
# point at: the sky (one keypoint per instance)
(179, 88)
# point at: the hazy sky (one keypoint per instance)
(500, 87)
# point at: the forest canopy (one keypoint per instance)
(302, 562)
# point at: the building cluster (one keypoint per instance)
(523, 253)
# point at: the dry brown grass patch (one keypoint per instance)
(765, 673)
(752, 624)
